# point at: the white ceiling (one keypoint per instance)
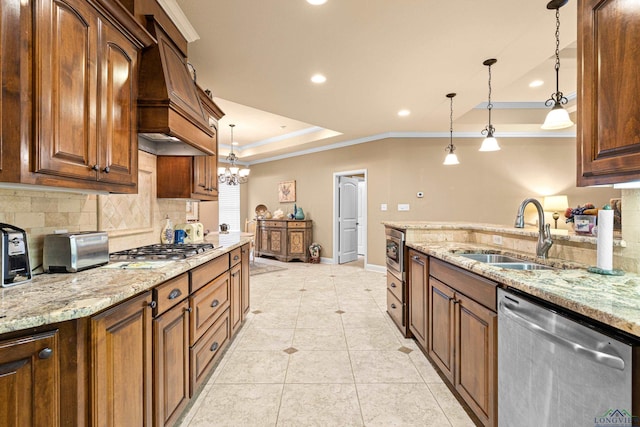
(379, 56)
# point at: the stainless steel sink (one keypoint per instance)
(491, 258)
(505, 261)
(521, 265)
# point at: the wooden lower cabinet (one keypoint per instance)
(244, 278)
(206, 351)
(235, 285)
(171, 364)
(122, 374)
(462, 336)
(29, 380)
(418, 273)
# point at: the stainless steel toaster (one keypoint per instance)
(71, 252)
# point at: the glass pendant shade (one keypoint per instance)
(245, 172)
(490, 143)
(451, 159)
(557, 118)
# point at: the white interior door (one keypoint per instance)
(362, 186)
(348, 219)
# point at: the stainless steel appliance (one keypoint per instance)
(395, 251)
(161, 252)
(554, 369)
(72, 252)
(14, 255)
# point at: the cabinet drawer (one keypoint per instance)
(204, 353)
(277, 224)
(476, 287)
(170, 293)
(395, 309)
(203, 274)
(236, 256)
(297, 224)
(206, 306)
(395, 286)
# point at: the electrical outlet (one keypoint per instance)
(497, 240)
(403, 207)
(383, 207)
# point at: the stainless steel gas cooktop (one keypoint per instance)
(161, 252)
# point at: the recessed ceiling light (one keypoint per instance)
(316, 2)
(318, 78)
(404, 113)
(536, 83)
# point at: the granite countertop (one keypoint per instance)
(611, 300)
(53, 298)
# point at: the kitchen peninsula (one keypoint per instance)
(456, 274)
(171, 324)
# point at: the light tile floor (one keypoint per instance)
(319, 349)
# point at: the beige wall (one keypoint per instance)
(485, 187)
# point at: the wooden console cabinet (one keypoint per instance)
(285, 240)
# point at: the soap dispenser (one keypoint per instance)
(166, 235)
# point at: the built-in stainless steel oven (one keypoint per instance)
(395, 251)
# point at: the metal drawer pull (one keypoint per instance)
(45, 353)
(153, 304)
(215, 346)
(416, 258)
(235, 258)
(393, 305)
(215, 303)
(393, 285)
(106, 170)
(175, 294)
(188, 309)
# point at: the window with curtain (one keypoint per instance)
(229, 206)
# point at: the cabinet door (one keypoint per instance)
(121, 345)
(118, 139)
(65, 52)
(441, 326)
(608, 134)
(277, 242)
(476, 364)
(297, 244)
(418, 292)
(244, 275)
(171, 364)
(200, 178)
(236, 297)
(29, 381)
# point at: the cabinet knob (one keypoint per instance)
(45, 353)
(188, 309)
(215, 346)
(235, 258)
(416, 258)
(175, 293)
(393, 285)
(95, 167)
(393, 306)
(215, 303)
(106, 169)
(153, 304)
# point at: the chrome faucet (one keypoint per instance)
(544, 230)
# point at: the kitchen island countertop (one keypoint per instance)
(53, 298)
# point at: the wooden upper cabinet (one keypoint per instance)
(608, 134)
(68, 113)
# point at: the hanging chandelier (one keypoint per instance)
(232, 174)
(558, 117)
(490, 143)
(451, 158)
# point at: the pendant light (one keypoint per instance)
(233, 175)
(451, 158)
(558, 117)
(490, 143)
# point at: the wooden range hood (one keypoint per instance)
(170, 114)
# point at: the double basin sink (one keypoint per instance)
(505, 261)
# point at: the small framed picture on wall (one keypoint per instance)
(287, 191)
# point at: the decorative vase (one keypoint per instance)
(299, 213)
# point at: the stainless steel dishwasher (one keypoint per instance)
(554, 370)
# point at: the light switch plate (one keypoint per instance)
(403, 206)
(383, 207)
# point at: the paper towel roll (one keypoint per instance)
(605, 239)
